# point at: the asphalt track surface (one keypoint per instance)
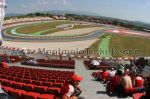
(90, 36)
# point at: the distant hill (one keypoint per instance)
(72, 12)
(12, 14)
(58, 12)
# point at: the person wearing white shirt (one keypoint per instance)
(112, 73)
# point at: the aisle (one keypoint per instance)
(91, 89)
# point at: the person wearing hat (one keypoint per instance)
(4, 64)
(72, 91)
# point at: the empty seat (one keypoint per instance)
(18, 94)
(59, 85)
(28, 81)
(46, 96)
(38, 83)
(54, 91)
(48, 84)
(31, 95)
(29, 87)
(18, 85)
(8, 89)
(41, 89)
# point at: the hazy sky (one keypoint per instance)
(137, 10)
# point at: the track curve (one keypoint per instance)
(90, 36)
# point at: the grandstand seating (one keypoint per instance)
(70, 64)
(12, 59)
(101, 66)
(28, 83)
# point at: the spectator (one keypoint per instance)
(138, 82)
(126, 83)
(128, 87)
(104, 75)
(112, 73)
(120, 68)
(95, 63)
(4, 64)
(114, 83)
(72, 91)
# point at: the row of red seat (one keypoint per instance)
(44, 77)
(31, 71)
(12, 59)
(22, 94)
(101, 66)
(31, 87)
(70, 64)
(34, 80)
(50, 83)
(32, 76)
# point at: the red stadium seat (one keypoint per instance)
(59, 85)
(46, 96)
(54, 91)
(28, 81)
(17, 93)
(48, 84)
(38, 83)
(41, 89)
(137, 95)
(18, 85)
(8, 89)
(31, 95)
(29, 87)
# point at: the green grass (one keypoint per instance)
(33, 28)
(44, 28)
(103, 48)
(83, 26)
(134, 46)
(131, 45)
(93, 49)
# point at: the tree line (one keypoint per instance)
(103, 20)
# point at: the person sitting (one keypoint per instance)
(112, 73)
(113, 84)
(120, 68)
(129, 88)
(95, 63)
(126, 83)
(138, 82)
(104, 75)
(4, 64)
(73, 90)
